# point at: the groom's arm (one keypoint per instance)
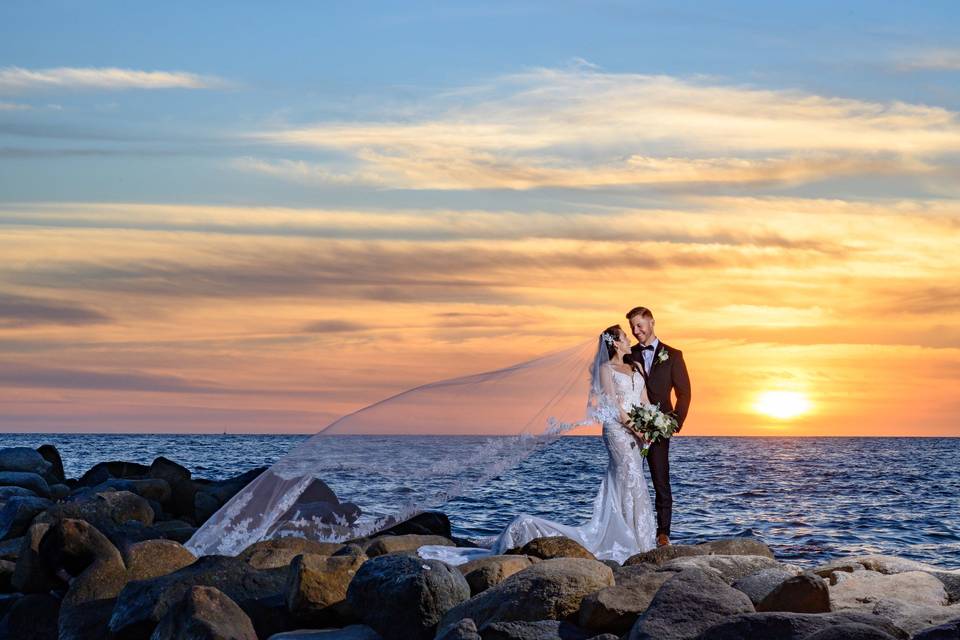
(681, 385)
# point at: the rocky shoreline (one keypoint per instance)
(101, 556)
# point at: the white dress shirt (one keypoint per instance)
(648, 355)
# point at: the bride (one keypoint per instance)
(622, 523)
(382, 464)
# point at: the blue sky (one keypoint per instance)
(259, 216)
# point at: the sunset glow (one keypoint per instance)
(782, 404)
(262, 235)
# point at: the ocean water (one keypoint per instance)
(810, 499)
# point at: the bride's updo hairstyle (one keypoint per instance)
(611, 335)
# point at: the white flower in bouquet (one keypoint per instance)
(652, 423)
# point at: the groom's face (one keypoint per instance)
(642, 328)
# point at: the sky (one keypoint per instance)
(256, 217)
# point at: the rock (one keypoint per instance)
(142, 603)
(483, 573)
(548, 590)
(349, 550)
(33, 616)
(730, 568)
(103, 471)
(10, 549)
(913, 617)
(850, 632)
(7, 569)
(352, 632)
(59, 491)
(687, 604)
(182, 488)
(166, 469)
(27, 480)
(947, 631)
(317, 586)
(281, 551)
(759, 584)
(428, 523)
(12, 491)
(465, 629)
(23, 459)
(888, 565)
(176, 530)
(553, 547)
(122, 516)
(395, 544)
(738, 546)
(864, 588)
(615, 609)
(805, 593)
(403, 597)
(538, 630)
(152, 558)
(793, 626)
(52, 455)
(204, 613)
(149, 488)
(31, 575)
(17, 514)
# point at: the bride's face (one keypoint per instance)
(623, 344)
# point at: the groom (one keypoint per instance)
(663, 369)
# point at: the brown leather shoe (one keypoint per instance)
(663, 540)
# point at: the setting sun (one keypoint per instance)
(782, 404)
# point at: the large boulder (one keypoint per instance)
(760, 584)
(888, 565)
(31, 574)
(280, 552)
(182, 488)
(913, 618)
(122, 516)
(17, 514)
(317, 587)
(33, 616)
(352, 632)
(738, 546)
(465, 629)
(538, 630)
(793, 626)
(428, 523)
(729, 567)
(615, 609)
(404, 597)
(150, 488)
(23, 459)
(862, 589)
(142, 603)
(852, 631)
(397, 544)
(52, 455)
(553, 547)
(687, 604)
(805, 593)
(103, 471)
(483, 573)
(947, 631)
(204, 613)
(27, 480)
(548, 590)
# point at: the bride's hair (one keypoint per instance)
(610, 336)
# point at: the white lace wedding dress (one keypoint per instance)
(622, 523)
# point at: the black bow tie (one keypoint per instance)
(649, 347)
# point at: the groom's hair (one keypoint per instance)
(639, 311)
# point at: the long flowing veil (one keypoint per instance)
(388, 461)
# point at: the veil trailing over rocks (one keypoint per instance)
(386, 462)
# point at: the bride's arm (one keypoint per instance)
(609, 390)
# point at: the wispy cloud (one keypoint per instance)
(14, 106)
(25, 311)
(584, 128)
(18, 79)
(930, 60)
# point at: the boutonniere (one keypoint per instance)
(663, 356)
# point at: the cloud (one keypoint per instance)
(28, 376)
(18, 79)
(333, 326)
(14, 106)
(23, 311)
(930, 60)
(585, 128)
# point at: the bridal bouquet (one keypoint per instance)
(651, 423)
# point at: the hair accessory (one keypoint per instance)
(609, 339)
